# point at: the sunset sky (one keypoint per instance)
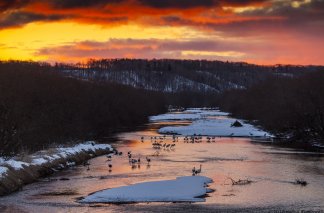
(255, 31)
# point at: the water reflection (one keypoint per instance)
(272, 170)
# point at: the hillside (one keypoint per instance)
(171, 76)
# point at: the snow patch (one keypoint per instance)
(174, 116)
(39, 161)
(209, 122)
(43, 157)
(216, 127)
(182, 189)
(15, 164)
(67, 151)
(89, 146)
(206, 112)
(189, 114)
(3, 171)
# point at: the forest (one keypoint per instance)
(173, 76)
(43, 104)
(39, 107)
(290, 108)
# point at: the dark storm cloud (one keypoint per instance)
(12, 4)
(16, 19)
(306, 17)
(269, 15)
(312, 9)
(176, 20)
(69, 4)
(243, 2)
(267, 20)
(184, 4)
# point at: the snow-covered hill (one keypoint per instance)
(179, 75)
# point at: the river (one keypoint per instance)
(271, 168)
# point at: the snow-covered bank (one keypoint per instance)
(3, 171)
(182, 189)
(209, 122)
(16, 172)
(218, 127)
(189, 114)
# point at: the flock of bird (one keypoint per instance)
(136, 160)
(131, 159)
(158, 142)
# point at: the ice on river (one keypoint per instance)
(182, 189)
(216, 127)
(189, 114)
(208, 122)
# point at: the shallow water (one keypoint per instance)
(272, 170)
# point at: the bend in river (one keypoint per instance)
(271, 169)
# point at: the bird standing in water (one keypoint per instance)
(198, 170)
(148, 160)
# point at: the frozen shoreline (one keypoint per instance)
(189, 114)
(208, 123)
(14, 173)
(182, 189)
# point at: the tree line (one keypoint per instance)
(169, 75)
(39, 107)
(292, 107)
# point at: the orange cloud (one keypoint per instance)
(262, 31)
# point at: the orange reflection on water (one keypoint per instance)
(270, 168)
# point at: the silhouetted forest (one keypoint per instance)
(39, 107)
(42, 104)
(292, 107)
(173, 76)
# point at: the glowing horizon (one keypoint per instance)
(263, 32)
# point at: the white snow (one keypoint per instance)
(15, 164)
(206, 111)
(65, 152)
(182, 189)
(3, 171)
(211, 123)
(318, 145)
(175, 116)
(90, 146)
(189, 114)
(39, 161)
(42, 157)
(217, 127)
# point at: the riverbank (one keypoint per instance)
(289, 108)
(238, 158)
(21, 170)
(208, 122)
(213, 122)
